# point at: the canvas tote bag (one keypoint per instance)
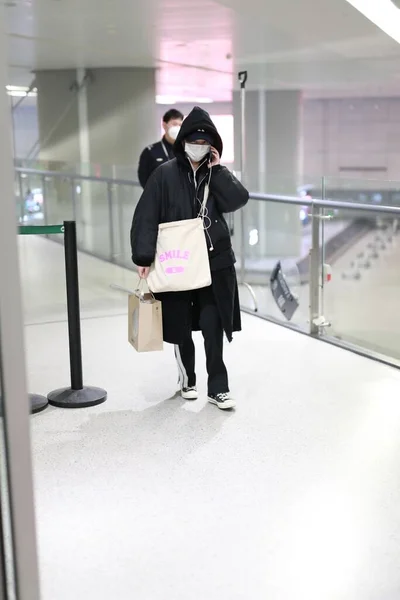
(181, 262)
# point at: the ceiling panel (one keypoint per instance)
(321, 46)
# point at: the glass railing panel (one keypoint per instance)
(372, 191)
(58, 199)
(305, 186)
(274, 233)
(128, 172)
(361, 289)
(125, 199)
(93, 217)
(102, 209)
(29, 198)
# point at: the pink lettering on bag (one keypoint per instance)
(174, 270)
(174, 255)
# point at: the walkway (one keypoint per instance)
(295, 496)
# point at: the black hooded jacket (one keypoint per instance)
(174, 192)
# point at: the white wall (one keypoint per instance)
(338, 133)
(351, 138)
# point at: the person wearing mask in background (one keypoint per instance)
(155, 155)
(173, 193)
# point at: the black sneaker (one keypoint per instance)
(223, 401)
(189, 393)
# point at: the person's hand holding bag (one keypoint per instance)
(143, 272)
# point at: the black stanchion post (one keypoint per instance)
(73, 305)
(77, 395)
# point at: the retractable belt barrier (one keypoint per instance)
(76, 395)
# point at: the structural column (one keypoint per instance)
(96, 121)
(274, 166)
(114, 109)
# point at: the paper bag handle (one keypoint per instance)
(138, 288)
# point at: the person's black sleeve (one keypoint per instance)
(144, 230)
(147, 165)
(229, 193)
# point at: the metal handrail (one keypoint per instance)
(319, 203)
(316, 318)
(76, 176)
(280, 199)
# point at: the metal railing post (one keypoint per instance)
(111, 221)
(323, 251)
(21, 196)
(242, 247)
(73, 199)
(44, 196)
(242, 76)
(122, 230)
(315, 270)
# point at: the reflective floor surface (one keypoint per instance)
(294, 496)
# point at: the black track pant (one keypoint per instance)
(211, 328)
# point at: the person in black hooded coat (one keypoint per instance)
(173, 193)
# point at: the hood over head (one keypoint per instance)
(198, 120)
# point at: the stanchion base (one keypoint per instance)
(69, 398)
(38, 403)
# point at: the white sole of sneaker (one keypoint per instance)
(189, 396)
(227, 405)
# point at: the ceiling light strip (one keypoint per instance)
(383, 13)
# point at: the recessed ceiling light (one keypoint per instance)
(18, 91)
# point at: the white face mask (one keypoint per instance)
(173, 131)
(196, 152)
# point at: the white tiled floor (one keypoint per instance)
(295, 496)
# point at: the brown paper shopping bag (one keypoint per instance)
(145, 331)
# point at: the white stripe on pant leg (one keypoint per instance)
(180, 375)
(179, 371)
(181, 367)
(182, 371)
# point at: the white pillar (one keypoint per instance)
(18, 503)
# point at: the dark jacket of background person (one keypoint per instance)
(152, 157)
(172, 195)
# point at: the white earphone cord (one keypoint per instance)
(204, 211)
